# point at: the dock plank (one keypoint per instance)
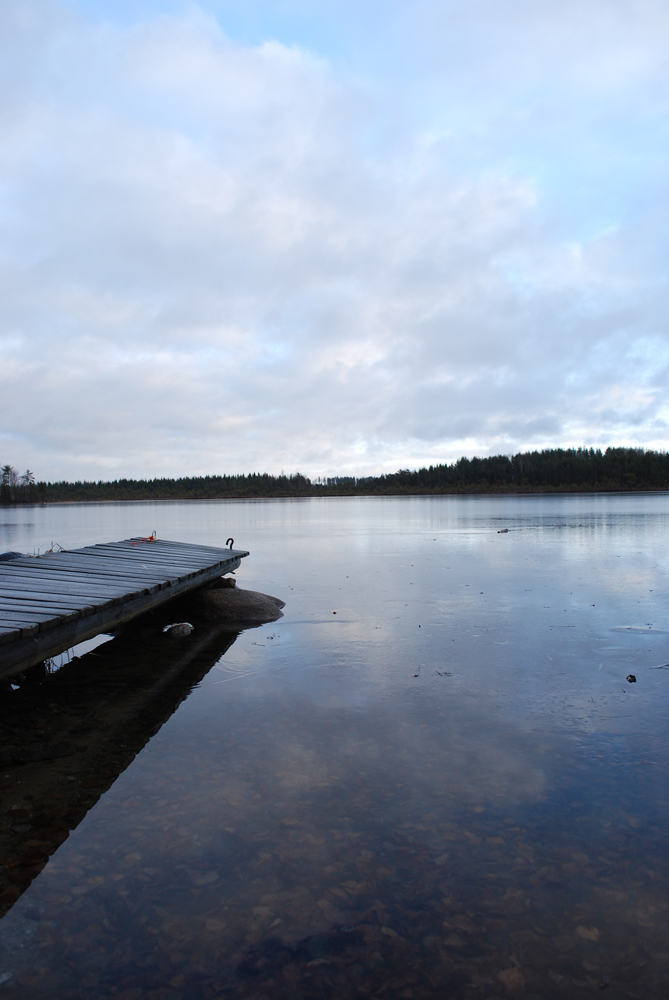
(80, 575)
(8, 601)
(155, 552)
(44, 597)
(46, 606)
(76, 600)
(108, 569)
(76, 564)
(79, 594)
(104, 563)
(79, 555)
(111, 552)
(21, 618)
(38, 582)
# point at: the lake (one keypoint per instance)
(430, 779)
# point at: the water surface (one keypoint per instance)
(430, 779)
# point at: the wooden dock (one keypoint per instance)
(53, 601)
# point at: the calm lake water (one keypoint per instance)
(431, 778)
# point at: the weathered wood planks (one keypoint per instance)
(56, 600)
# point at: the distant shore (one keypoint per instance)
(558, 470)
(495, 492)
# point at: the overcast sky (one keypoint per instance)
(334, 236)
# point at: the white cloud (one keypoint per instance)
(217, 257)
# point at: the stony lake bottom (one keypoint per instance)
(430, 779)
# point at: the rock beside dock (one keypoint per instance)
(233, 604)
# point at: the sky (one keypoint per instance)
(329, 236)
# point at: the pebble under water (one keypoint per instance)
(430, 779)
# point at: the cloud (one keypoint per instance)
(223, 257)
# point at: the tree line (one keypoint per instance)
(551, 470)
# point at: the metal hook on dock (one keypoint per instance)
(230, 542)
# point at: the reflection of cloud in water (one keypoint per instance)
(420, 750)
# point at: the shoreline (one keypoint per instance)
(351, 494)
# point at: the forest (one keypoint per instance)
(555, 470)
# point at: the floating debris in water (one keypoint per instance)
(631, 679)
(638, 628)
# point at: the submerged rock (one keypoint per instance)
(233, 604)
(179, 630)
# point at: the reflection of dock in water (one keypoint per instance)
(66, 737)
